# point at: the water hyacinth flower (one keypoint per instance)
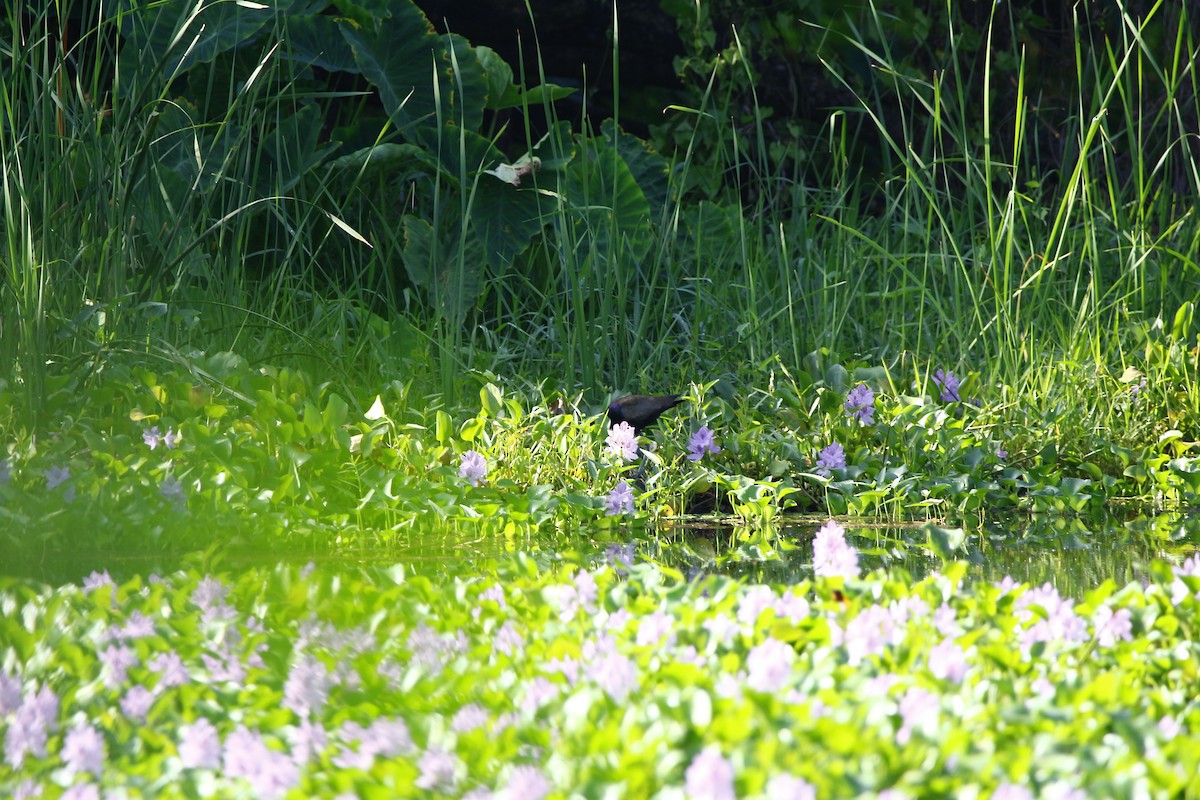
(474, 467)
(619, 501)
(56, 476)
(948, 384)
(769, 665)
(83, 749)
(171, 490)
(622, 441)
(199, 745)
(789, 787)
(702, 442)
(832, 554)
(710, 776)
(153, 438)
(860, 404)
(831, 458)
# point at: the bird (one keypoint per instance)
(641, 410)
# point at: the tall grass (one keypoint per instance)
(143, 218)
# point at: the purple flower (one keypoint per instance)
(831, 458)
(137, 626)
(474, 467)
(270, 773)
(702, 442)
(5, 471)
(96, 580)
(789, 787)
(769, 665)
(1060, 623)
(209, 593)
(437, 771)
(615, 674)
(918, 711)
(525, 782)
(55, 476)
(199, 745)
(118, 659)
(869, 633)
(1011, 791)
(31, 726)
(620, 500)
(948, 384)
(81, 791)
(307, 739)
(860, 404)
(538, 693)
(620, 556)
(947, 661)
(1001, 453)
(153, 438)
(468, 718)
(172, 490)
(384, 737)
(137, 702)
(622, 442)
(10, 693)
(833, 556)
(83, 749)
(307, 687)
(1112, 626)
(174, 673)
(653, 628)
(710, 776)
(508, 638)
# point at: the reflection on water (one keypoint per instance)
(1073, 554)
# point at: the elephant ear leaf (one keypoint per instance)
(447, 268)
(402, 56)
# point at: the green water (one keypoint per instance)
(1073, 554)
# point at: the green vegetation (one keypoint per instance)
(314, 280)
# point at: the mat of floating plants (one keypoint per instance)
(616, 681)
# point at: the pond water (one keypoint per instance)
(1074, 554)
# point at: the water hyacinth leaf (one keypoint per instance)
(945, 541)
(471, 429)
(336, 412)
(491, 399)
(1181, 326)
(443, 426)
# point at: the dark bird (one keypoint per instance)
(641, 410)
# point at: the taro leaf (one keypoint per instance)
(401, 55)
(317, 41)
(458, 153)
(499, 74)
(447, 268)
(503, 93)
(505, 219)
(294, 148)
(386, 159)
(648, 168)
(604, 199)
(396, 56)
(169, 38)
(710, 229)
(516, 97)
